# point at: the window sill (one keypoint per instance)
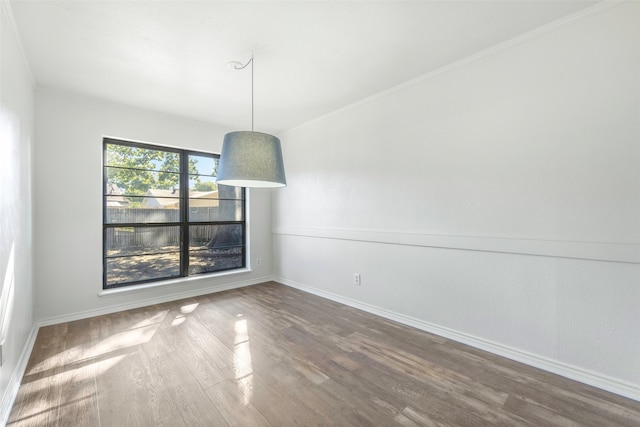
(104, 293)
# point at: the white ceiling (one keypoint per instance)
(310, 57)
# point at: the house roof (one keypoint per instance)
(168, 198)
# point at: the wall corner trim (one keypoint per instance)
(604, 382)
(14, 29)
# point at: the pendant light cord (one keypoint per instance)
(242, 67)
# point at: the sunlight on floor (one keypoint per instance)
(124, 339)
(105, 353)
(106, 364)
(184, 310)
(150, 319)
(73, 370)
(242, 360)
(189, 308)
(179, 319)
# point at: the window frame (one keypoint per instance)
(183, 223)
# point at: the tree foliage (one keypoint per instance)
(136, 170)
(205, 186)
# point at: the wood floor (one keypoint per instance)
(269, 355)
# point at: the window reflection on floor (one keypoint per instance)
(242, 360)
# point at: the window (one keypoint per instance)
(164, 216)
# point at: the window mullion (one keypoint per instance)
(184, 212)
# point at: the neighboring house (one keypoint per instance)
(202, 199)
(167, 199)
(115, 196)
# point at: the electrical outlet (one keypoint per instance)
(259, 261)
(356, 279)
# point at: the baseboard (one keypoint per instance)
(585, 376)
(150, 301)
(11, 392)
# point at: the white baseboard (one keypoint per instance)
(604, 382)
(174, 296)
(11, 391)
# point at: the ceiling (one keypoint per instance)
(311, 58)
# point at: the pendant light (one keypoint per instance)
(248, 158)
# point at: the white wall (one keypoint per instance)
(68, 203)
(491, 201)
(16, 134)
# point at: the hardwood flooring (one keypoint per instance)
(270, 355)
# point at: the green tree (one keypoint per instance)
(136, 170)
(205, 186)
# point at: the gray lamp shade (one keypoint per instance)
(251, 159)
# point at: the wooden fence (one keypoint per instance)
(158, 236)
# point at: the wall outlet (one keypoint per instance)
(259, 261)
(356, 279)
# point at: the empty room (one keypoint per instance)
(319, 213)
